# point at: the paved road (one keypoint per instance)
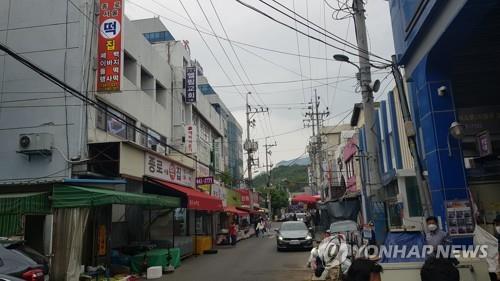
(254, 259)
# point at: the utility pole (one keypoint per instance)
(268, 172)
(250, 145)
(316, 120)
(367, 96)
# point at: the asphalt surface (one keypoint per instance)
(254, 259)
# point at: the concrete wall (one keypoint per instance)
(52, 35)
(140, 101)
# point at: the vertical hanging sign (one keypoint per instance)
(191, 84)
(110, 45)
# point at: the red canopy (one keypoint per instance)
(231, 209)
(305, 198)
(197, 200)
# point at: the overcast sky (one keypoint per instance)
(285, 100)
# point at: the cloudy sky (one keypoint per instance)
(282, 82)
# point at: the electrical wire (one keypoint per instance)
(95, 104)
(210, 49)
(321, 30)
(220, 37)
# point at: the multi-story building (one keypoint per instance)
(397, 206)
(334, 139)
(447, 49)
(141, 138)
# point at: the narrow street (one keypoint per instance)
(254, 259)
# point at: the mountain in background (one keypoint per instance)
(293, 177)
(301, 161)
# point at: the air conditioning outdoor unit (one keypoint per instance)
(36, 143)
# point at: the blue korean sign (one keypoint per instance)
(191, 84)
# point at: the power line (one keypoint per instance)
(220, 37)
(332, 36)
(338, 39)
(300, 59)
(208, 47)
(301, 32)
(95, 104)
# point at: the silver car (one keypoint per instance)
(294, 235)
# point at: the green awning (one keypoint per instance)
(67, 196)
(14, 205)
(24, 203)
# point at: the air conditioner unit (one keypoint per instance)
(159, 148)
(36, 143)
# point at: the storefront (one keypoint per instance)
(83, 225)
(193, 222)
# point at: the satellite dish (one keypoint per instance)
(376, 86)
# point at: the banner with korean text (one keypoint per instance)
(163, 169)
(110, 44)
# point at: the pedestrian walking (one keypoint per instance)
(260, 228)
(233, 233)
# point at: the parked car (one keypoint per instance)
(18, 260)
(9, 278)
(294, 235)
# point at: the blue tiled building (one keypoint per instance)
(450, 51)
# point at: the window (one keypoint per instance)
(160, 36)
(394, 211)
(151, 140)
(112, 121)
(413, 197)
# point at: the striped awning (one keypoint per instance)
(14, 206)
(22, 203)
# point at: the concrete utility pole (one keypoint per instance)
(268, 172)
(250, 145)
(316, 120)
(373, 178)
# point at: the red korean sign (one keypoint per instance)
(245, 197)
(110, 45)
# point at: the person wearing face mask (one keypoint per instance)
(435, 236)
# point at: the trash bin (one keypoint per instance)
(202, 243)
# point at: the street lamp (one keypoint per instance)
(344, 58)
(457, 131)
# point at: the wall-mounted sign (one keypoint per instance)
(163, 169)
(109, 46)
(191, 84)
(204, 180)
(459, 218)
(245, 197)
(191, 139)
(478, 119)
(484, 146)
(102, 240)
(220, 192)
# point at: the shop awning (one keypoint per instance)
(305, 198)
(231, 209)
(196, 200)
(14, 206)
(24, 203)
(67, 196)
(253, 212)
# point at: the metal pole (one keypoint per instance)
(249, 150)
(367, 95)
(411, 134)
(319, 166)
